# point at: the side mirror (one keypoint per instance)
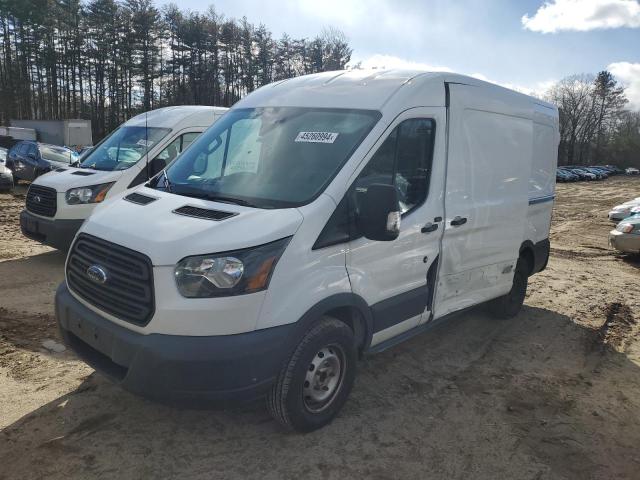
(379, 217)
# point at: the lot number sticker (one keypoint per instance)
(316, 137)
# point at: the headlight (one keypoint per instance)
(625, 227)
(230, 273)
(92, 194)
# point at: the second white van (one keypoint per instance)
(58, 202)
(322, 218)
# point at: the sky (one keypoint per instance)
(523, 44)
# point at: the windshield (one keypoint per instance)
(57, 154)
(123, 148)
(269, 157)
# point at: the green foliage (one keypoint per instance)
(107, 60)
(595, 128)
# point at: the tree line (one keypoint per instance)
(595, 125)
(106, 60)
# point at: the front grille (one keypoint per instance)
(41, 200)
(127, 292)
(205, 213)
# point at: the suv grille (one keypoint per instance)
(123, 285)
(42, 200)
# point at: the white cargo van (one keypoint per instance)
(321, 218)
(57, 203)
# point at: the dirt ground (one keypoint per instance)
(553, 394)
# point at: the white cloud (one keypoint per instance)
(629, 74)
(389, 61)
(583, 15)
(381, 61)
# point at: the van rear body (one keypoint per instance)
(322, 218)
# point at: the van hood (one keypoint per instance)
(167, 237)
(63, 181)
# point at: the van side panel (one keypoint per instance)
(489, 163)
(305, 277)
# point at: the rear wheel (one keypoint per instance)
(316, 381)
(510, 304)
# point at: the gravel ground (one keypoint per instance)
(552, 394)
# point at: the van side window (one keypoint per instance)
(187, 139)
(171, 151)
(404, 159)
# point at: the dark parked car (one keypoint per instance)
(569, 175)
(29, 160)
(562, 176)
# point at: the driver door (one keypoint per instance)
(397, 278)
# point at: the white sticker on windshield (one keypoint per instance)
(316, 137)
(144, 143)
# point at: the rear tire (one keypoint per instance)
(510, 304)
(314, 384)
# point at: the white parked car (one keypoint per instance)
(321, 218)
(6, 175)
(57, 203)
(626, 236)
(620, 212)
(632, 171)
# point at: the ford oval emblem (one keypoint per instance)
(97, 274)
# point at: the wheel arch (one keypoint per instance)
(349, 308)
(527, 251)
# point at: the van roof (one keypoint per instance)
(366, 89)
(170, 117)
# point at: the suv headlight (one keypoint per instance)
(229, 273)
(92, 194)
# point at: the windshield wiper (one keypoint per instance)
(237, 201)
(213, 197)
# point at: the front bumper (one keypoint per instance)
(624, 242)
(175, 368)
(57, 233)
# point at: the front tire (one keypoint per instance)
(510, 304)
(316, 381)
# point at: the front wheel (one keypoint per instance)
(510, 304)
(316, 381)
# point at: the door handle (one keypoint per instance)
(457, 221)
(429, 227)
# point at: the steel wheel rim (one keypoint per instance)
(324, 378)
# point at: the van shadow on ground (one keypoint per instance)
(535, 397)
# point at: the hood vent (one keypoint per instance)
(205, 213)
(139, 198)
(82, 173)
(60, 169)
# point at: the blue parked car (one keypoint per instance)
(28, 160)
